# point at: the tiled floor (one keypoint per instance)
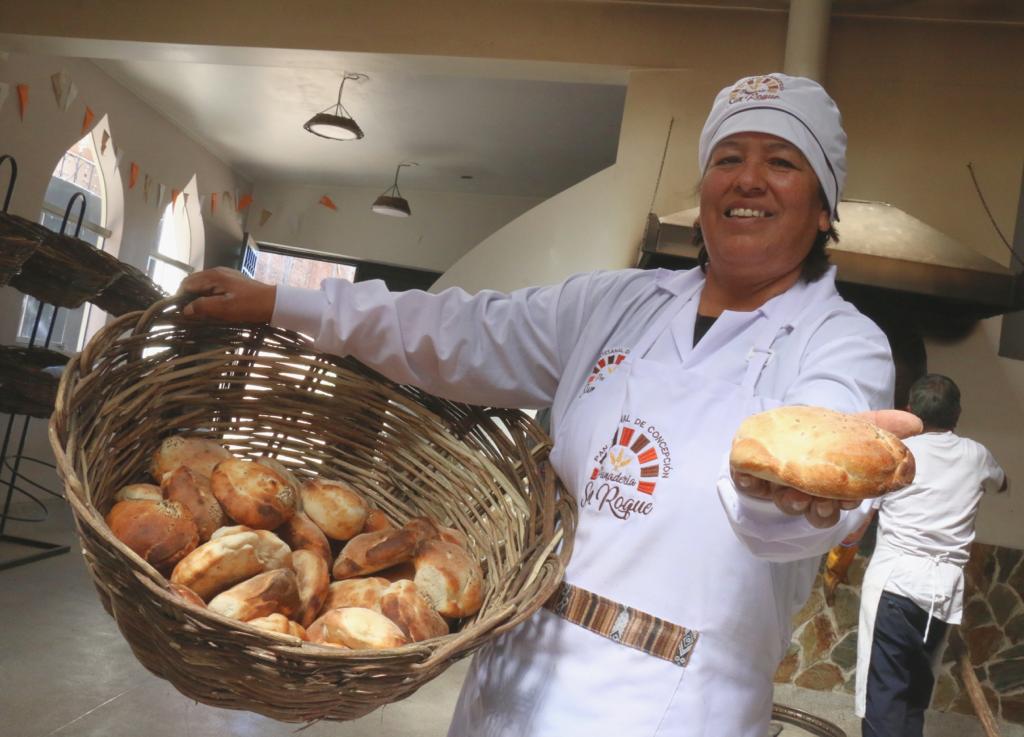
(65, 671)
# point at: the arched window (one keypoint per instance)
(179, 247)
(169, 265)
(77, 171)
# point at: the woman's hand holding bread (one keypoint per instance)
(815, 462)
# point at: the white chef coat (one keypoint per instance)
(924, 535)
(571, 346)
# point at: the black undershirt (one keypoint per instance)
(701, 326)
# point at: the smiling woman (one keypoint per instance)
(684, 576)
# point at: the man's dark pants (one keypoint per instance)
(900, 676)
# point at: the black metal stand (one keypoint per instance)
(13, 464)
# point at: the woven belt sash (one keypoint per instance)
(624, 625)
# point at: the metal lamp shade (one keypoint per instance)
(395, 206)
(336, 127)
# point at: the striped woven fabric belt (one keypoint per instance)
(624, 625)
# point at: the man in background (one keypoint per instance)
(914, 586)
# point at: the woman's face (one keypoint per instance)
(760, 208)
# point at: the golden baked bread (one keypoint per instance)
(279, 624)
(192, 489)
(422, 528)
(284, 472)
(187, 594)
(821, 452)
(356, 628)
(377, 520)
(199, 454)
(313, 579)
(397, 573)
(449, 578)
(219, 563)
(355, 592)
(370, 552)
(162, 533)
(302, 534)
(139, 492)
(263, 594)
(253, 494)
(271, 550)
(403, 605)
(335, 507)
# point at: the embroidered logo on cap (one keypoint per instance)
(762, 87)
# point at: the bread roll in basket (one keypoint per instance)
(267, 393)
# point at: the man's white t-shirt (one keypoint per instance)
(932, 520)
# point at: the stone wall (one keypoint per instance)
(823, 653)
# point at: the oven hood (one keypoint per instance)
(886, 260)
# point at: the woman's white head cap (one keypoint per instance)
(795, 109)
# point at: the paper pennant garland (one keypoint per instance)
(5, 89)
(244, 202)
(61, 83)
(213, 203)
(145, 187)
(227, 196)
(133, 176)
(328, 203)
(104, 140)
(72, 93)
(174, 198)
(87, 119)
(161, 192)
(22, 100)
(264, 217)
(118, 155)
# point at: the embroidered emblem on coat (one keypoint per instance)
(605, 366)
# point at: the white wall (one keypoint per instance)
(161, 150)
(442, 227)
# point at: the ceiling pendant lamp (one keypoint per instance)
(391, 201)
(337, 124)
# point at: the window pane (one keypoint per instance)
(295, 271)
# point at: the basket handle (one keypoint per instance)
(158, 308)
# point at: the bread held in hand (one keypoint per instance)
(821, 452)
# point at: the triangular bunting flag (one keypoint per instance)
(328, 203)
(244, 202)
(87, 119)
(203, 200)
(22, 100)
(174, 198)
(133, 176)
(213, 203)
(118, 155)
(70, 96)
(227, 196)
(5, 90)
(161, 191)
(146, 183)
(264, 217)
(61, 83)
(104, 140)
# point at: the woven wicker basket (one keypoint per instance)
(267, 392)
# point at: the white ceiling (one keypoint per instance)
(515, 129)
